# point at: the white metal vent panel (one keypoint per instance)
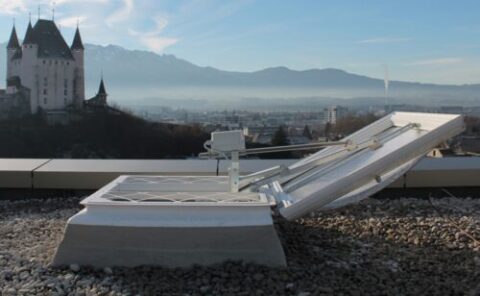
(324, 185)
(181, 197)
(174, 183)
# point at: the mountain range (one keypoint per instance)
(135, 76)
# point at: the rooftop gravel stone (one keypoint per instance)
(403, 246)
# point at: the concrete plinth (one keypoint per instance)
(101, 246)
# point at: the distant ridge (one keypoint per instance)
(139, 70)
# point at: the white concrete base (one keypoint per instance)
(146, 221)
(101, 246)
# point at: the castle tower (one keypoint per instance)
(29, 35)
(78, 50)
(13, 47)
(28, 71)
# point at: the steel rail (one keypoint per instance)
(298, 147)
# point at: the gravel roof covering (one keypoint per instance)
(379, 247)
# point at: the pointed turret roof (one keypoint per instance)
(77, 41)
(13, 42)
(100, 99)
(101, 89)
(29, 36)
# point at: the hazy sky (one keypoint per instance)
(423, 40)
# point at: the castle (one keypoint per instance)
(44, 73)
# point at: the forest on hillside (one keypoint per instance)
(99, 134)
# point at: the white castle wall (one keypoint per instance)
(28, 73)
(10, 66)
(54, 83)
(79, 77)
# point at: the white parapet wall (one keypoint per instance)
(91, 174)
(18, 173)
(444, 172)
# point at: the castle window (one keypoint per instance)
(65, 100)
(68, 63)
(56, 62)
(44, 91)
(65, 92)
(44, 62)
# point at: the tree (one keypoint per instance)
(472, 125)
(328, 130)
(352, 123)
(307, 133)
(280, 138)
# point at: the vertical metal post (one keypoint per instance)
(234, 172)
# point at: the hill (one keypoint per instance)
(132, 75)
(100, 134)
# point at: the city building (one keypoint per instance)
(333, 113)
